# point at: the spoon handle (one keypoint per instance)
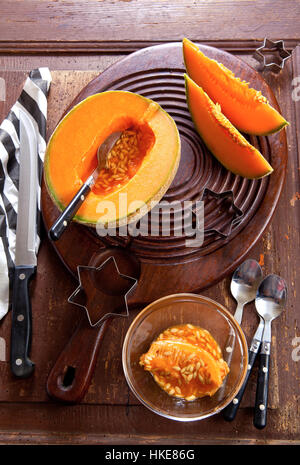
(230, 411)
(238, 314)
(69, 212)
(261, 400)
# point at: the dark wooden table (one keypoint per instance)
(77, 40)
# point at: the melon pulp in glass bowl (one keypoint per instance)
(174, 310)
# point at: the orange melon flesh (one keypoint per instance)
(246, 108)
(193, 335)
(222, 138)
(186, 362)
(161, 365)
(71, 155)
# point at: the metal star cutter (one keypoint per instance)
(229, 215)
(102, 291)
(278, 53)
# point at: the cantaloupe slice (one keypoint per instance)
(186, 361)
(173, 361)
(246, 108)
(224, 141)
(196, 336)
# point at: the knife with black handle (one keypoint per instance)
(21, 364)
(25, 256)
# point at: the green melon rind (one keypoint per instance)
(149, 203)
(203, 137)
(277, 129)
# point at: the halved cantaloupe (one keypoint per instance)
(221, 137)
(246, 108)
(71, 156)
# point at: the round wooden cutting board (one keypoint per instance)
(167, 265)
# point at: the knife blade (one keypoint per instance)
(25, 256)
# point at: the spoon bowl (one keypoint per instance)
(244, 285)
(105, 148)
(271, 297)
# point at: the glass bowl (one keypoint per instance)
(181, 309)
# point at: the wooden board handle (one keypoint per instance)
(71, 375)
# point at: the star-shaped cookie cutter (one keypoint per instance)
(92, 291)
(270, 46)
(237, 213)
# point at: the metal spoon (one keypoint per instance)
(270, 302)
(244, 285)
(66, 216)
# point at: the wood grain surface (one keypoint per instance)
(123, 25)
(109, 413)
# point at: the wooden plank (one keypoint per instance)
(296, 95)
(111, 24)
(65, 47)
(84, 62)
(103, 424)
(63, 62)
(281, 245)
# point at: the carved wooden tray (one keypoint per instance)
(167, 265)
